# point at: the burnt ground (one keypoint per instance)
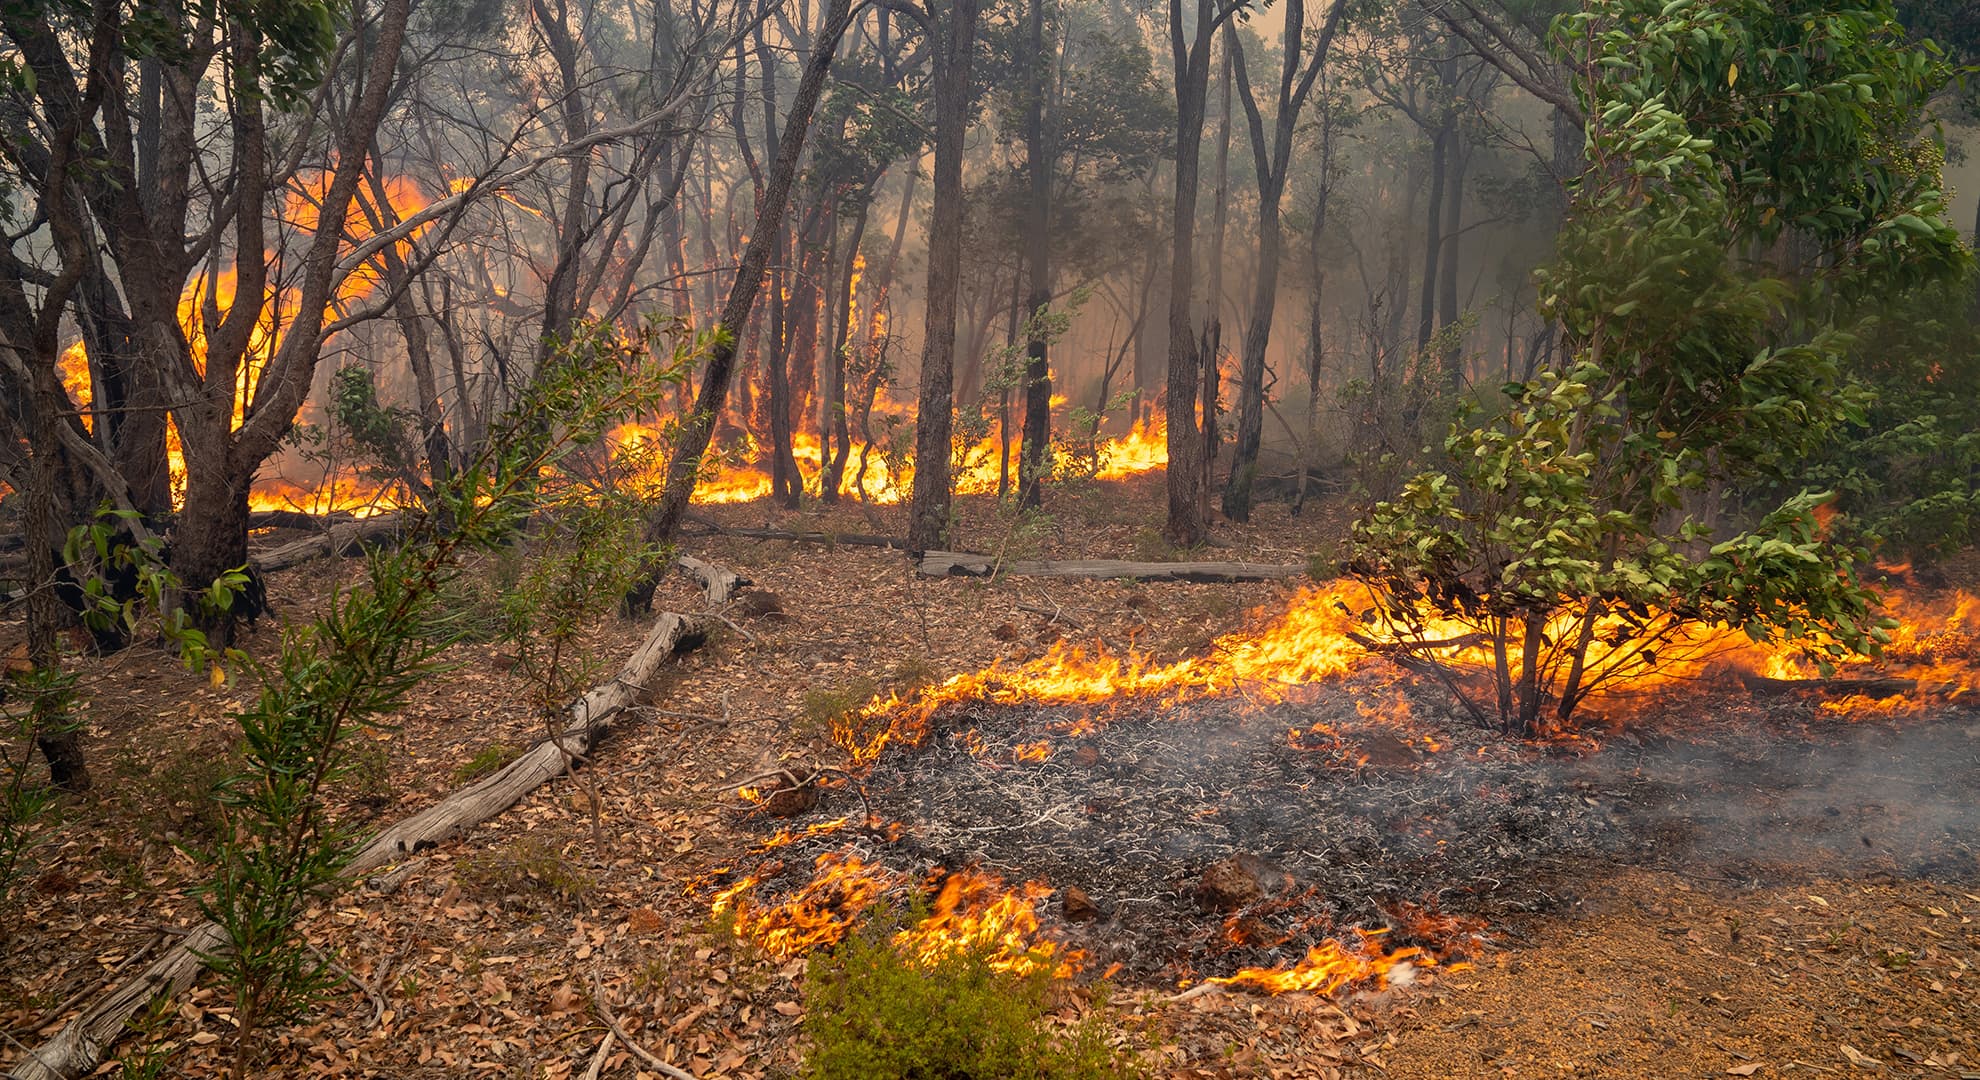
(1701, 954)
(1344, 828)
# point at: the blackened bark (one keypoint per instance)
(63, 748)
(1036, 456)
(1187, 524)
(954, 35)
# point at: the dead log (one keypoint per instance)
(346, 538)
(825, 538)
(297, 519)
(1462, 641)
(966, 564)
(80, 1046)
(1870, 687)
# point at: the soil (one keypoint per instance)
(484, 957)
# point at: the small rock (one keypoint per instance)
(1238, 882)
(791, 799)
(1078, 906)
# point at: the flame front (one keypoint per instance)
(973, 914)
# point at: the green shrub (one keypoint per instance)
(826, 709)
(871, 1015)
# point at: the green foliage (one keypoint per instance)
(100, 552)
(280, 849)
(872, 1015)
(34, 704)
(826, 710)
(1907, 474)
(1759, 176)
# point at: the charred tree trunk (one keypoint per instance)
(1187, 525)
(954, 37)
(695, 432)
(1037, 452)
(62, 746)
(1212, 350)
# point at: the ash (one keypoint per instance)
(1347, 826)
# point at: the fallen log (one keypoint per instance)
(967, 564)
(825, 538)
(80, 1046)
(344, 538)
(1870, 687)
(297, 519)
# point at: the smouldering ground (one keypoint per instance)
(481, 960)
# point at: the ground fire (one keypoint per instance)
(995, 768)
(944, 540)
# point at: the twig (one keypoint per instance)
(731, 624)
(1054, 614)
(598, 1059)
(72, 1000)
(378, 1005)
(604, 1008)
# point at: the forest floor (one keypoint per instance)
(486, 957)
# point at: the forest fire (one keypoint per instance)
(971, 913)
(871, 473)
(1374, 763)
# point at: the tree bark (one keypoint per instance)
(695, 432)
(1035, 458)
(1433, 236)
(1187, 525)
(928, 513)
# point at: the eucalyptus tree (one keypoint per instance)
(952, 29)
(1763, 184)
(156, 210)
(1192, 28)
(1299, 73)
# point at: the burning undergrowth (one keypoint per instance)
(1348, 829)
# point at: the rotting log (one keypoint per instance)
(344, 538)
(80, 1046)
(966, 564)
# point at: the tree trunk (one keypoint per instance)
(695, 432)
(832, 372)
(1432, 240)
(1186, 524)
(1036, 456)
(928, 511)
(1452, 227)
(1212, 351)
(67, 768)
(1251, 376)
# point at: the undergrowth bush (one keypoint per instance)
(872, 1015)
